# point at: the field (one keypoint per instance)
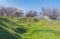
(20, 28)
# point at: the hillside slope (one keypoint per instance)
(20, 29)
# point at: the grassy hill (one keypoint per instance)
(22, 28)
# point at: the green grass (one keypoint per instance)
(21, 29)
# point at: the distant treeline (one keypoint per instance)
(50, 13)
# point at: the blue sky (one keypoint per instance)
(27, 5)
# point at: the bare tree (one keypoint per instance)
(2, 11)
(52, 13)
(31, 14)
(19, 13)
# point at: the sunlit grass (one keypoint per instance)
(43, 29)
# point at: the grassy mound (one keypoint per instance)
(20, 28)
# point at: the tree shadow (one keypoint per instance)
(4, 19)
(8, 21)
(3, 24)
(20, 30)
(4, 34)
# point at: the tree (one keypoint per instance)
(31, 14)
(52, 13)
(10, 11)
(2, 10)
(19, 13)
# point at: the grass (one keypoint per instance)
(21, 29)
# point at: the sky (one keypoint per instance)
(35, 5)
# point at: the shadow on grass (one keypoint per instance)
(20, 30)
(3, 24)
(4, 34)
(8, 21)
